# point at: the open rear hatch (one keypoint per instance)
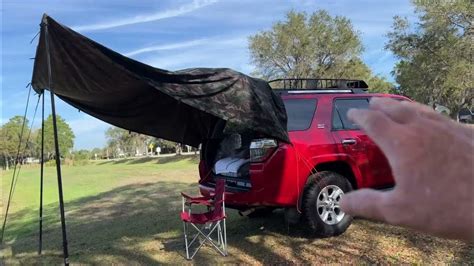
(231, 157)
(228, 157)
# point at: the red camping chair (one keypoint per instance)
(214, 219)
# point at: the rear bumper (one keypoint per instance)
(234, 185)
(234, 198)
(238, 192)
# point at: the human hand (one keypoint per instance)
(431, 158)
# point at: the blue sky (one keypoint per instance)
(170, 34)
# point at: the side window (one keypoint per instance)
(300, 113)
(336, 120)
(341, 106)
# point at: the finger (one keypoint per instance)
(404, 111)
(379, 127)
(364, 203)
(424, 111)
(394, 109)
(466, 130)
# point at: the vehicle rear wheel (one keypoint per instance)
(321, 207)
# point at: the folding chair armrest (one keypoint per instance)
(187, 197)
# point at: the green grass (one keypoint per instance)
(126, 212)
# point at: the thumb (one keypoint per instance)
(364, 203)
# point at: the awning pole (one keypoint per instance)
(56, 146)
(40, 244)
(60, 182)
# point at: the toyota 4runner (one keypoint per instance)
(327, 157)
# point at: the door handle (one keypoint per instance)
(349, 141)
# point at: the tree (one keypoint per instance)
(299, 47)
(65, 137)
(121, 141)
(32, 148)
(381, 85)
(10, 138)
(116, 140)
(435, 55)
(166, 145)
(126, 142)
(96, 153)
(318, 46)
(80, 155)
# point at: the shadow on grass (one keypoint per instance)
(424, 243)
(116, 223)
(140, 224)
(101, 226)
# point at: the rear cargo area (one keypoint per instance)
(228, 157)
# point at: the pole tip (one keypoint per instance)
(44, 19)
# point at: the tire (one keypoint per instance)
(332, 184)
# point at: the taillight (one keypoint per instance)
(261, 149)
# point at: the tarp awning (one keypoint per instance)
(182, 106)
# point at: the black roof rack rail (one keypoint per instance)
(319, 85)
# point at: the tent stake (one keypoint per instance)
(40, 244)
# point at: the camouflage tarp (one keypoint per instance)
(182, 106)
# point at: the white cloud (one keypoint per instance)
(86, 124)
(181, 10)
(207, 42)
(215, 52)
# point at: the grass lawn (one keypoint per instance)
(127, 212)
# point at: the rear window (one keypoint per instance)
(300, 113)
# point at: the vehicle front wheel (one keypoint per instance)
(321, 201)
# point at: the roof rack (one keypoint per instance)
(317, 85)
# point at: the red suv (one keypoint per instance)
(328, 156)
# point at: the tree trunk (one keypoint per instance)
(178, 149)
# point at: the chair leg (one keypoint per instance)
(208, 227)
(219, 234)
(208, 239)
(197, 236)
(221, 246)
(225, 237)
(186, 240)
